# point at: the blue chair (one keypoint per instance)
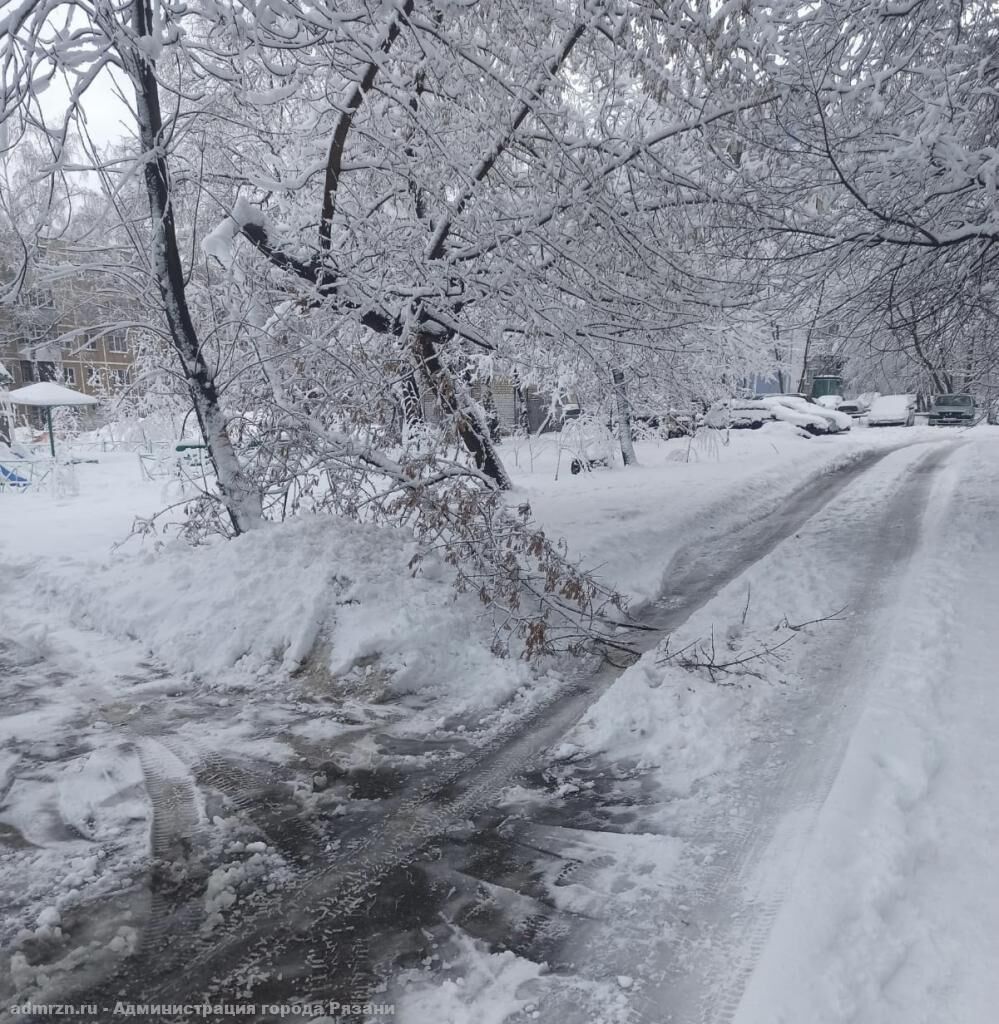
(8, 478)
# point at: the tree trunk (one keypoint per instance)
(782, 379)
(623, 418)
(803, 380)
(242, 501)
(969, 368)
(6, 419)
(410, 404)
(474, 434)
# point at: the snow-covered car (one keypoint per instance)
(816, 419)
(829, 401)
(952, 411)
(751, 413)
(738, 414)
(783, 394)
(588, 441)
(892, 411)
(853, 407)
(674, 423)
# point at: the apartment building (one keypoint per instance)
(65, 327)
(94, 365)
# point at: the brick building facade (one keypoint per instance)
(67, 326)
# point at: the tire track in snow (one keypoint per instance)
(743, 896)
(902, 728)
(698, 954)
(175, 819)
(264, 796)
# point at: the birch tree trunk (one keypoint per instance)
(623, 418)
(242, 501)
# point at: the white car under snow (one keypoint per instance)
(799, 412)
(892, 411)
(816, 419)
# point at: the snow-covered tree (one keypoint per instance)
(356, 214)
(80, 42)
(874, 179)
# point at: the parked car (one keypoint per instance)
(993, 413)
(853, 408)
(783, 394)
(952, 411)
(828, 401)
(737, 414)
(809, 415)
(674, 423)
(752, 413)
(892, 411)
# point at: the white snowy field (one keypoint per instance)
(116, 658)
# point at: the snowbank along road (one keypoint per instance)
(651, 845)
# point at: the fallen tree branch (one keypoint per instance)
(836, 616)
(703, 654)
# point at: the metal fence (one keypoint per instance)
(26, 476)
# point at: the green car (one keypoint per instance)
(952, 410)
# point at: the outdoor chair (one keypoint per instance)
(11, 479)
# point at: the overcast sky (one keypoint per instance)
(107, 117)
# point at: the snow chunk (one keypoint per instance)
(49, 918)
(243, 213)
(219, 242)
(491, 988)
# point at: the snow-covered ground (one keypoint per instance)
(891, 905)
(818, 823)
(154, 666)
(805, 836)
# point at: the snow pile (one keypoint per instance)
(669, 719)
(66, 819)
(97, 795)
(464, 983)
(228, 883)
(245, 609)
(48, 980)
(253, 601)
(486, 988)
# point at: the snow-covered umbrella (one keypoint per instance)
(47, 395)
